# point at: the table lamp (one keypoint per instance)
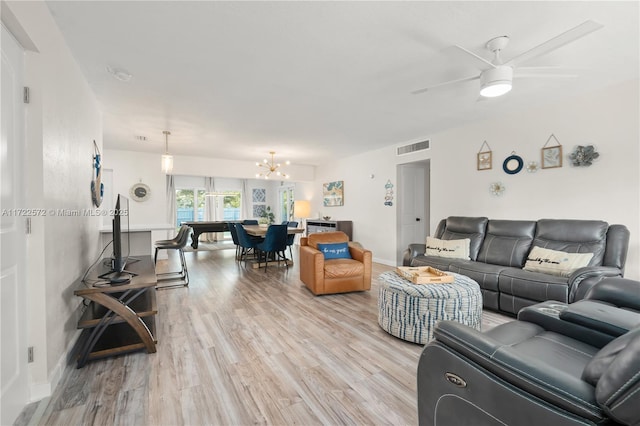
(302, 210)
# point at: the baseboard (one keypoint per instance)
(384, 261)
(39, 391)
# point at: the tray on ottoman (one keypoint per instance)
(424, 275)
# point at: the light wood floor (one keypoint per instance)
(240, 346)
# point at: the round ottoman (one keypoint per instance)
(410, 311)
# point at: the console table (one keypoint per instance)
(315, 225)
(119, 318)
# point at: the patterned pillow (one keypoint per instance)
(554, 262)
(456, 249)
(335, 250)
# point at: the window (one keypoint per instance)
(231, 203)
(189, 205)
(285, 200)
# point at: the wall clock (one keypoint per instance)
(140, 192)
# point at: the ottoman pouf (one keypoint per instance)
(410, 311)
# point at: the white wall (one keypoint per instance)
(62, 120)
(131, 167)
(608, 190)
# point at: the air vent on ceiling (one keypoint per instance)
(414, 147)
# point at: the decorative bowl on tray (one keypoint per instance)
(326, 217)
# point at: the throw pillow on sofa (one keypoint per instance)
(555, 262)
(455, 249)
(335, 250)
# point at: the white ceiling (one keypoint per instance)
(314, 80)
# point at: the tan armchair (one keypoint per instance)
(334, 275)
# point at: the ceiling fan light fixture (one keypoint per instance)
(496, 82)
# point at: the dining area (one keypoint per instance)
(263, 245)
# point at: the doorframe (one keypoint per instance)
(12, 403)
(401, 246)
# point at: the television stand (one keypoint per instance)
(119, 318)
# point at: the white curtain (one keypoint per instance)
(245, 201)
(212, 209)
(171, 205)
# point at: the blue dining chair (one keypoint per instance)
(247, 244)
(234, 236)
(274, 245)
(249, 222)
(291, 237)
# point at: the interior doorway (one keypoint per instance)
(413, 198)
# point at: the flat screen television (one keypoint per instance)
(120, 232)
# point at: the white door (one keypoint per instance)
(413, 199)
(13, 342)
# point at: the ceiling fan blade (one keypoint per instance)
(567, 37)
(446, 83)
(536, 75)
(544, 72)
(480, 62)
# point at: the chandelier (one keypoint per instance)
(270, 167)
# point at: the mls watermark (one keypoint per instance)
(64, 212)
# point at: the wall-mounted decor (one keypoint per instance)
(388, 197)
(532, 167)
(583, 156)
(333, 193)
(140, 192)
(496, 188)
(484, 157)
(97, 187)
(512, 164)
(551, 155)
(259, 210)
(259, 195)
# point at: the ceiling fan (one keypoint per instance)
(496, 76)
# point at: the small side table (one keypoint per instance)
(410, 311)
(119, 318)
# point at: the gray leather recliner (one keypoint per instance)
(557, 364)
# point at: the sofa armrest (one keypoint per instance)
(602, 317)
(366, 257)
(413, 251)
(312, 268)
(527, 370)
(621, 292)
(582, 279)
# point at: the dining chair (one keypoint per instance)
(247, 244)
(234, 236)
(249, 222)
(274, 245)
(291, 237)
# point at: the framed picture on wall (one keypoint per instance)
(333, 193)
(552, 157)
(484, 160)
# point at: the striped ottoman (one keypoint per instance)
(410, 311)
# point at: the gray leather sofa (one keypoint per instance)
(557, 364)
(499, 249)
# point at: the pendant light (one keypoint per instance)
(167, 159)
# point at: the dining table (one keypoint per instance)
(261, 231)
